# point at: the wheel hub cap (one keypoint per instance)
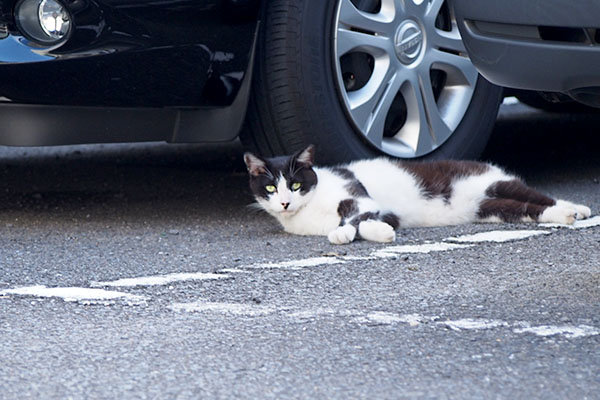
(408, 42)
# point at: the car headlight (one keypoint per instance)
(45, 21)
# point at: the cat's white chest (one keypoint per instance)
(311, 221)
(320, 216)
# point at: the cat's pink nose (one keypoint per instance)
(285, 205)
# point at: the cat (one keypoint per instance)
(372, 198)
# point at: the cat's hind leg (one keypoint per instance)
(564, 212)
(558, 214)
(514, 201)
(583, 212)
(516, 189)
(509, 210)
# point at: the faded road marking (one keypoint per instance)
(387, 318)
(567, 331)
(301, 263)
(497, 236)
(384, 318)
(160, 279)
(237, 309)
(76, 294)
(473, 323)
(393, 251)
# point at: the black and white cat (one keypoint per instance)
(372, 198)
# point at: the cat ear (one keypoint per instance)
(256, 166)
(306, 156)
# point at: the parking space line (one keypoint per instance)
(155, 280)
(498, 236)
(77, 294)
(382, 318)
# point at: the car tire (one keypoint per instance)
(300, 93)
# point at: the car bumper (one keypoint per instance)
(173, 70)
(546, 46)
(126, 53)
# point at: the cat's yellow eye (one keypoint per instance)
(296, 185)
(270, 188)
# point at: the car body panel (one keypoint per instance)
(130, 70)
(139, 53)
(546, 46)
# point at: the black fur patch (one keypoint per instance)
(391, 219)
(344, 173)
(517, 190)
(364, 217)
(354, 186)
(509, 210)
(346, 209)
(356, 189)
(436, 177)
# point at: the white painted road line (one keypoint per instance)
(76, 294)
(236, 309)
(567, 331)
(497, 236)
(393, 251)
(297, 264)
(385, 318)
(107, 297)
(473, 324)
(155, 280)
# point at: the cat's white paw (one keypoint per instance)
(376, 231)
(583, 212)
(559, 214)
(342, 234)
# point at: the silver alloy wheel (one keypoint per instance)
(415, 68)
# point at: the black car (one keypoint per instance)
(550, 47)
(357, 78)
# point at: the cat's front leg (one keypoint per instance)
(342, 234)
(376, 226)
(376, 231)
(373, 230)
(362, 217)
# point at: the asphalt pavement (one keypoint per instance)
(139, 271)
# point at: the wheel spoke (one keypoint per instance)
(424, 128)
(380, 113)
(438, 128)
(447, 40)
(432, 10)
(376, 23)
(459, 68)
(348, 40)
(370, 105)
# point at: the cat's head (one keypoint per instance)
(282, 185)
